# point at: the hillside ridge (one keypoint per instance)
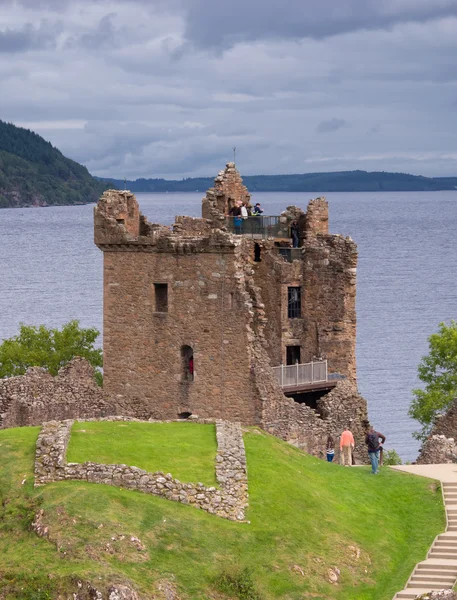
(35, 173)
(337, 181)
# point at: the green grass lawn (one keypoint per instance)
(186, 450)
(306, 516)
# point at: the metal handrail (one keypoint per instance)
(258, 226)
(293, 375)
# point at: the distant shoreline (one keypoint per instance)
(342, 181)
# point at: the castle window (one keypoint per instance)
(257, 252)
(120, 221)
(187, 362)
(294, 303)
(161, 297)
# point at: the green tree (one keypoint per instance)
(438, 371)
(49, 348)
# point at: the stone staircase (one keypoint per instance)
(439, 570)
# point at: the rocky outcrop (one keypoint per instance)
(229, 500)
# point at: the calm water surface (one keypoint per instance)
(51, 272)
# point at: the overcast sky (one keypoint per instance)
(166, 88)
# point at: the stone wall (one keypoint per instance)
(206, 312)
(440, 446)
(228, 190)
(329, 300)
(437, 450)
(37, 397)
(229, 500)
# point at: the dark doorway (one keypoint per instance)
(257, 252)
(292, 355)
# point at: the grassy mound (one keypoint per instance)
(308, 520)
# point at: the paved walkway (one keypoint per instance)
(439, 570)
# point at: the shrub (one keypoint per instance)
(391, 458)
(238, 583)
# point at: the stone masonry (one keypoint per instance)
(229, 500)
(200, 290)
(37, 397)
(441, 446)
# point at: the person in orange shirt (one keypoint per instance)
(346, 447)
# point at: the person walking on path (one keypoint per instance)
(372, 442)
(346, 447)
(330, 448)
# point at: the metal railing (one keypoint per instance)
(294, 375)
(258, 226)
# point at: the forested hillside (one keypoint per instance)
(341, 181)
(34, 173)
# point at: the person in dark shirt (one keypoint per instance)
(258, 210)
(372, 441)
(295, 234)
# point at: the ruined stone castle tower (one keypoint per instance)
(197, 316)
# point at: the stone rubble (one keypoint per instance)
(229, 500)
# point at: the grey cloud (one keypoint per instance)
(223, 24)
(330, 125)
(29, 37)
(134, 91)
(104, 34)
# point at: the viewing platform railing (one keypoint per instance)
(295, 375)
(258, 226)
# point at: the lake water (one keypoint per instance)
(51, 272)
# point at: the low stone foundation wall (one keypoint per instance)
(229, 500)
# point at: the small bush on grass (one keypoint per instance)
(391, 458)
(239, 583)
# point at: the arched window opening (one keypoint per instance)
(187, 360)
(257, 252)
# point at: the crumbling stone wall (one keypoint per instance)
(316, 222)
(440, 446)
(329, 296)
(229, 500)
(438, 449)
(37, 397)
(228, 190)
